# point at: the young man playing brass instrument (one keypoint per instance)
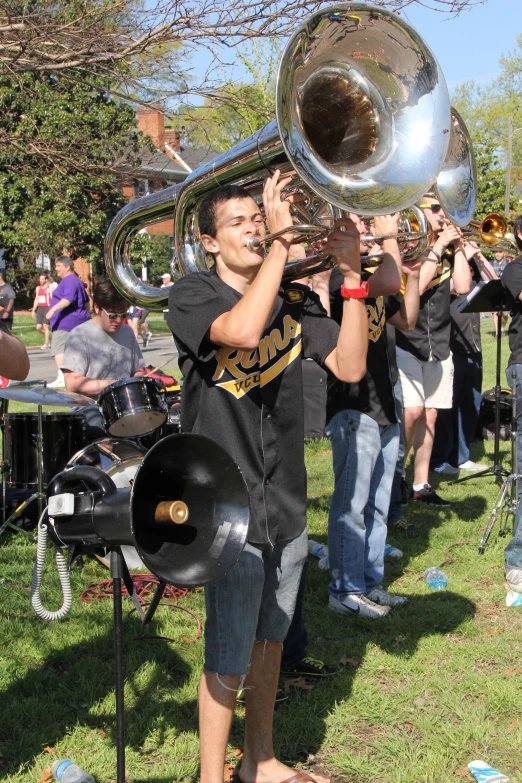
(241, 333)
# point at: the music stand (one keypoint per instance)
(489, 297)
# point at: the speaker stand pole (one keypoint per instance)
(117, 571)
(156, 598)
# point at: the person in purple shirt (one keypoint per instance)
(68, 309)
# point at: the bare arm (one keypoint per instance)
(321, 286)
(485, 267)
(348, 360)
(61, 305)
(387, 279)
(74, 382)
(14, 361)
(35, 304)
(406, 318)
(244, 324)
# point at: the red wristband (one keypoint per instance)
(356, 293)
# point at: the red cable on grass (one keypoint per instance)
(144, 586)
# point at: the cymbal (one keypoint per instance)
(41, 395)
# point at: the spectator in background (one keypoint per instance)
(68, 309)
(41, 304)
(7, 299)
(137, 319)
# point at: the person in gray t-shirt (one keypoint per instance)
(101, 351)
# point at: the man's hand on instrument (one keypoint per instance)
(450, 234)
(343, 244)
(412, 268)
(386, 224)
(277, 210)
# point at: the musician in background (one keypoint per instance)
(423, 355)
(241, 333)
(455, 427)
(363, 428)
(512, 282)
(101, 351)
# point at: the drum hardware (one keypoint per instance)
(506, 502)
(188, 479)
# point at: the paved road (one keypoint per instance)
(159, 349)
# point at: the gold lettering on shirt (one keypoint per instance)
(376, 319)
(442, 273)
(237, 362)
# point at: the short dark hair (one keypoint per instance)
(66, 261)
(517, 229)
(107, 297)
(207, 209)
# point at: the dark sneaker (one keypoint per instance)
(281, 696)
(311, 667)
(403, 526)
(428, 495)
(406, 492)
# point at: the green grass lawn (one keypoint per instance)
(24, 328)
(424, 691)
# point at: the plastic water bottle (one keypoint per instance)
(435, 578)
(321, 552)
(514, 599)
(68, 772)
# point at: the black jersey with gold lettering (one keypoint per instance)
(373, 395)
(430, 340)
(251, 401)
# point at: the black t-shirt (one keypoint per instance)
(430, 340)
(251, 402)
(465, 327)
(373, 395)
(512, 282)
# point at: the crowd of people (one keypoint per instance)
(404, 370)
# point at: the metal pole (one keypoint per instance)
(117, 575)
(507, 209)
(40, 462)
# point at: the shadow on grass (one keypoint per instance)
(301, 724)
(41, 707)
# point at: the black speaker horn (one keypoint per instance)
(187, 512)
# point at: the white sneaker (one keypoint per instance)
(59, 383)
(45, 347)
(469, 465)
(358, 604)
(381, 596)
(446, 468)
(146, 338)
(392, 553)
(514, 578)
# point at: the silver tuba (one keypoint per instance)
(362, 122)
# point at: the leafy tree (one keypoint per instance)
(486, 110)
(156, 250)
(63, 196)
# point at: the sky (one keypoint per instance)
(467, 46)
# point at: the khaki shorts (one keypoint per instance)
(58, 340)
(425, 384)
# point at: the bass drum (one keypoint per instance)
(119, 459)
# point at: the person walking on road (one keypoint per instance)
(41, 305)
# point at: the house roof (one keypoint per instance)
(158, 165)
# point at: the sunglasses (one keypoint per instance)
(114, 316)
(435, 208)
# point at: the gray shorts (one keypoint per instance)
(41, 312)
(255, 600)
(58, 339)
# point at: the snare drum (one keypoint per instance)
(63, 434)
(133, 407)
(119, 459)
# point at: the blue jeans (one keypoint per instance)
(364, 457)
(513, 551)
(395, 513)
(455, 428)
(254, 600)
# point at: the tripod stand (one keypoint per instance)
(489, 298)
(506, 502)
